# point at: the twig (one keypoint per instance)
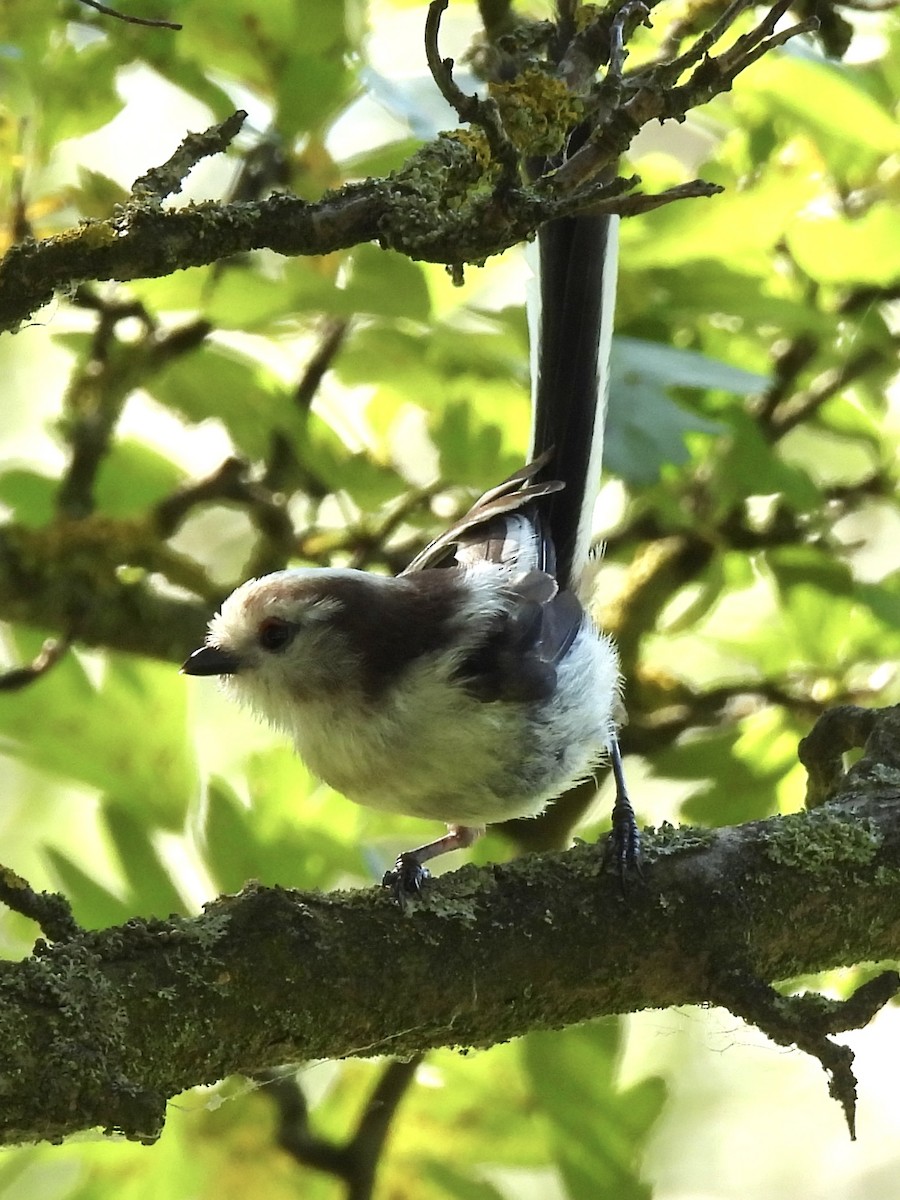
(334, 335)
(47, 658)
(356, 1161)
(801, 406)
(641, 202)
(294, 1133)
(617, 51)
(822, 750)
(655, 98)
(99, 388)
(807, 1021)
(283, 468)
(112, 12)
(787, 361)
(668, 71)
(229, 482)
(50, 910)
(167, 179)
(367, 1143)
(469, 109)
(375, 540)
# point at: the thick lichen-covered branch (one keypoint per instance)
(270, 976)
(455, 201)
(93, 580)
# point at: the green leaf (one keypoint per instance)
(683, 368)
(851, 129)
(132, 477)
(834, 249)
(151, 889)
(739, 773)
(751, 466)
(830, 620)
(748, 299)
(30, 495)
(294, 832)
(126, 736)
(743, 227)
(220, 382)
(68, 109)
(230, 849)
(380, 160)
(385, 284)
(95, 907)
(310, 89)
(597, 1130)
(645, 427)
(453, 1183)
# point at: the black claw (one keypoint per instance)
(623, 847)
(406, 880)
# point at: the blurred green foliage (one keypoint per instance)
(753, 427)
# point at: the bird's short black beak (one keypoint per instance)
(210, 660)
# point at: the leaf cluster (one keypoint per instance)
(168, 438)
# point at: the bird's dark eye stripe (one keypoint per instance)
(275, 633)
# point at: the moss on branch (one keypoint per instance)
(270, 976)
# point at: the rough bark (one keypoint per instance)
(101, 1028)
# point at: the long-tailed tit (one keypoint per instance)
(473, 687)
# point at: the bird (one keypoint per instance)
(473, 687)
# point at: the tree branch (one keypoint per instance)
(456, 201)
(67, 577)
(271, 976)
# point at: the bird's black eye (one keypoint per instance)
(274, 633)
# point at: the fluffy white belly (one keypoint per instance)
(439, 753)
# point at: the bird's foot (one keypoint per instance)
(407, 879)
(623, 846)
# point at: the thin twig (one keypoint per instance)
(166, 180)
(801, 406)
(469, 109)
(334, 334)
(99, 388)
(617, 51)
(112, 12)
(50, 910)
(355, 1161)
(230, 482)
(655, 98)
(367, 1144)
(375, 540)
(47, 657)
(669, 70)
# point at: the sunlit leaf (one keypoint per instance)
(30, 495)
(95, 907)
(126, 737)
(597, 1132)
(852, 130)
(152, 890)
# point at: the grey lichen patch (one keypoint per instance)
(82, 1039)
(887, 877)
(821, 841)
(453, 907)
(883, 773)
(674, 839)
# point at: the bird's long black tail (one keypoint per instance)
(571, 336)
(571, 341)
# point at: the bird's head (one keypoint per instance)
(283, 640)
